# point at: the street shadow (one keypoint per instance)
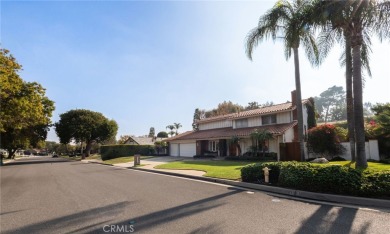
(35, 161)
(213, 228)
(93, 220)
(328, 220)
(79, 219)
(14, 211)
(163, 217)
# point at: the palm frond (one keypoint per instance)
(311, 49)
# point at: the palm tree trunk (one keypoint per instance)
(299, 104)
(349, 90)
(361, 161)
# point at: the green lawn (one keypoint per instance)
(371, 165)
(123, 160)
(232, 169)
(217, 169)
(77, 158)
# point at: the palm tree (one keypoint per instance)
(259, 138)
(337, 30)
(359, 20)
(177, 126)
(171, 127)
(286, 21)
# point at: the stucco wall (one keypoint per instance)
(216, 124)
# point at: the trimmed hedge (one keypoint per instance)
(254, 172)
(203, 156)
(116, 151)
(328, 179)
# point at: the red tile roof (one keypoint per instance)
(276, 129)
(265, 110)
(260, 111)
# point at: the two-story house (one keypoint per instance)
(215, 133)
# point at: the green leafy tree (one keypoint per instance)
(311, 114)
(151, 132)
(162, 134)
(224, 108)
(330, 99)
(381, 125)
(197, 114)
(85, 126)
(252, 106)
(25, 110)
(123, 139)
(286, 21)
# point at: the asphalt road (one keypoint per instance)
(44, 195)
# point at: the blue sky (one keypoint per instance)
(151, 63)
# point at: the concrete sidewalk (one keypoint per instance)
(151, 163)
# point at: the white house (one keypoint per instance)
(215, 132)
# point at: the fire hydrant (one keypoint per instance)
(266, 174)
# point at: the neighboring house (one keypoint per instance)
(215, 133)
(142, 140)
(159, 150)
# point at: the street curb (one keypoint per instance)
(360, 201)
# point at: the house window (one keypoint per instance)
(268, 119)
(241, 123)
(213, 146)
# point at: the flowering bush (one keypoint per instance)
(324, 140)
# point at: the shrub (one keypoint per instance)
(386, 161)
(203, 156)
(342, 134)
(116, 151)
(254, 172)
(271, 156)
(338, 158)
(376, 183)
(326, 179)
(323, 140)
(251, 172)
(296, 175)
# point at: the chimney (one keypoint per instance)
(294, 97)
(294, 103)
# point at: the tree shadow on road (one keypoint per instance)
(31, 162)
(328, 219)
(163, 217)
(77, 222)
(93, 220)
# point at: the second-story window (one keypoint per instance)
(268, 119)
(241, 123)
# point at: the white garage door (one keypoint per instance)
(174, 149)
(187, 150)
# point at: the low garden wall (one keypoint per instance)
(372, 151)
